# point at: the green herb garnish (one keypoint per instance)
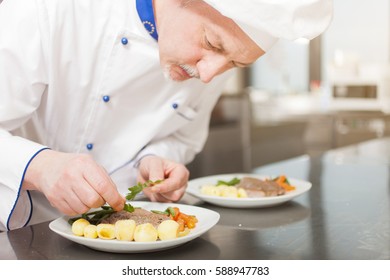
(232, 182)
(168, 212)
(171, 211)
(128, 208)
(96, 216)
(160, 212)
(134, 190)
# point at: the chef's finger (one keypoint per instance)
(176, 179)
(88, 195)
(173, 196)
(99, 180)
(75, 202)
(156, 170)
(152, 196)
(170, 196)
(156, 197)
(64, 207)
(156, 173)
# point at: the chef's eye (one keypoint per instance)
(209, 45)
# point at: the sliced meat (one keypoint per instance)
(140, 216)
(260, 188)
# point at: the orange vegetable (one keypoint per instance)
(191, 224)
(181, 224)
(282, 181)
(287, 187)
(177, 213)
(190, 221)
(184, 220)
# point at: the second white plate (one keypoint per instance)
(195, 185)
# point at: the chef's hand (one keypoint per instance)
(73, 183)
(175, 178)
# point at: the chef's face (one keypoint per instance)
(196, 41)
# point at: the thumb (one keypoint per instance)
(156, 175)
(156, 172)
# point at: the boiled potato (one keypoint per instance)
(223, 191)
(106, 231)
(168, 229)
(210, 190)
(145, 233)
(242, 193)
(78, 226)
(124, 230)
(90, 231)
(228, 191)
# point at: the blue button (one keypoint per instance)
(106, 98)
(124, 41)
(175, 105)
(90, 146)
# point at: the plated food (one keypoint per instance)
(247, 187)
(140, 225)
(206, 220)
(273, 190)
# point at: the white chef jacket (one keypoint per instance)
(69, 82)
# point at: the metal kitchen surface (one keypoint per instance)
(344, 216)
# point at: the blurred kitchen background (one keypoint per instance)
(306, 97)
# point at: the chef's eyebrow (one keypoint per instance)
(240, 64)
(219, 47)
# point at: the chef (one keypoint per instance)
(99, 94)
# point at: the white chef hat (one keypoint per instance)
(266, 21)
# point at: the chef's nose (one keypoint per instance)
(212, 66)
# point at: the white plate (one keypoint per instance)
(206, 220)
(195, 185)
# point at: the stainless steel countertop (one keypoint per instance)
(346, 215)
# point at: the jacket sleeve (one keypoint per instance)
(22, 83)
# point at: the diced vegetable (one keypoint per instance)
(284, 183)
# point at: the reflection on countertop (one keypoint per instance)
(254, 128)
(267, 217)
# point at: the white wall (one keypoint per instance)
(360, 29)
(284, 69)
